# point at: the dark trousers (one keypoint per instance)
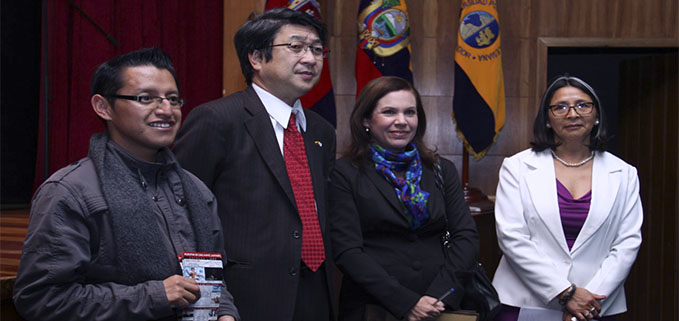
(313, 301)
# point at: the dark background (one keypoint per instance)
(19, 99)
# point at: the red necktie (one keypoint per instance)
(313, 252)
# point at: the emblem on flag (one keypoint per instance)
(479, 29)
(384, 31)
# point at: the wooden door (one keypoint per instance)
(647, 138)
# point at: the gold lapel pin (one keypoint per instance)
(318, 143)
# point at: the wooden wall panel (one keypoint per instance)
(440, 127)
(438, 15)
(343, 136)
(343, 47)
(434, 56)
(235, 14)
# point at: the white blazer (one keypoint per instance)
(537, 265)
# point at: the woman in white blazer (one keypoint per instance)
(568, 214)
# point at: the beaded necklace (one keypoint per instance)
(580, 163)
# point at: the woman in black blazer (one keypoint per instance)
(389, 214)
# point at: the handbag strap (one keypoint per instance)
(438, 175)
(440, 184)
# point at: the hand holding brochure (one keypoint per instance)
(207, 270)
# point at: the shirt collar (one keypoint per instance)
(163, 159)
(279, 110)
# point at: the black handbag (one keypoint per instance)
(479, 293)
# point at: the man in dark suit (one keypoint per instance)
(243, 147)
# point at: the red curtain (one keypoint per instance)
(189, 31)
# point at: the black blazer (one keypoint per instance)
(230, 144)
(384, 261)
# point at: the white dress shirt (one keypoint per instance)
(279, 112)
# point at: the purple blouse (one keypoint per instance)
(573, 212)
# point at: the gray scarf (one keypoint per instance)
(141, 256)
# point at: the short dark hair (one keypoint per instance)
(358, 150)
(107, 79)
(260, 30)
(543, 136)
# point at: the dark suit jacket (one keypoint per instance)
(383, 260)
(231, 145)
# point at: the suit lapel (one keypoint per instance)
(386, 189)
(314, 154)
(262, 133)
(605, 185)
(541, 183)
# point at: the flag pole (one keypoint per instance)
(471, 195)
(465, 170)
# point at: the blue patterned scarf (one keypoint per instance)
(408, 190)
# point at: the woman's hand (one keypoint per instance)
(426, 309)
(582, 306)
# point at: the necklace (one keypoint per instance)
(580, 163)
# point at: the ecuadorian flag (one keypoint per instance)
(321, 98)
(479, 98)
(383, 41)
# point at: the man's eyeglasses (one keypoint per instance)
(300, 48)
(561, 110)
(149, 100)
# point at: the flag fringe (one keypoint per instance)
(468, 147)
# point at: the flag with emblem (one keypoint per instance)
(383, 41)
(321, 98)
(479, 98)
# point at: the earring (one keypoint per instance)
(367, 130)
(596, 122)
(548, 125)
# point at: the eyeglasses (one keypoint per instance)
(561, 110)
(149, 100)
(300, 48)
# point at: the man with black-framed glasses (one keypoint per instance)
(267, 159)
(105, 232)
